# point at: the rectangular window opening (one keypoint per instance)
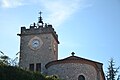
(31, 67)
(38, 67)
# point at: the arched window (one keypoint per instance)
(81, 77)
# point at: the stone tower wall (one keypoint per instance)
(42, 55)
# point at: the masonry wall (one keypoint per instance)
(71, 71)
(43, 55)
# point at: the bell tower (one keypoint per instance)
(38, 46)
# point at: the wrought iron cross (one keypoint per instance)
(40, 13)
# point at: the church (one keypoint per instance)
(39, 52)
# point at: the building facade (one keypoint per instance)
(73, 67)
(39, 52)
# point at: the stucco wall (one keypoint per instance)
(71, 71)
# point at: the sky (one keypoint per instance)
(90, 28)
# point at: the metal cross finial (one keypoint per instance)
(73, 53)
(40, 20)
(40, 13)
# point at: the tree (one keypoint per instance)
(112, 70)
(5, 60)
(118, 77)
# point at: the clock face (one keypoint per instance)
(35, 43)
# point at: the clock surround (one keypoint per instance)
(35, 43)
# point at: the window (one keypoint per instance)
(31, 67)
(38, 67)
(81, 77)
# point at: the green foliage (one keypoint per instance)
(53, 77)
(9, 71)
(4, 60)
(112, 71)
(15, 73)
(118, 77)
